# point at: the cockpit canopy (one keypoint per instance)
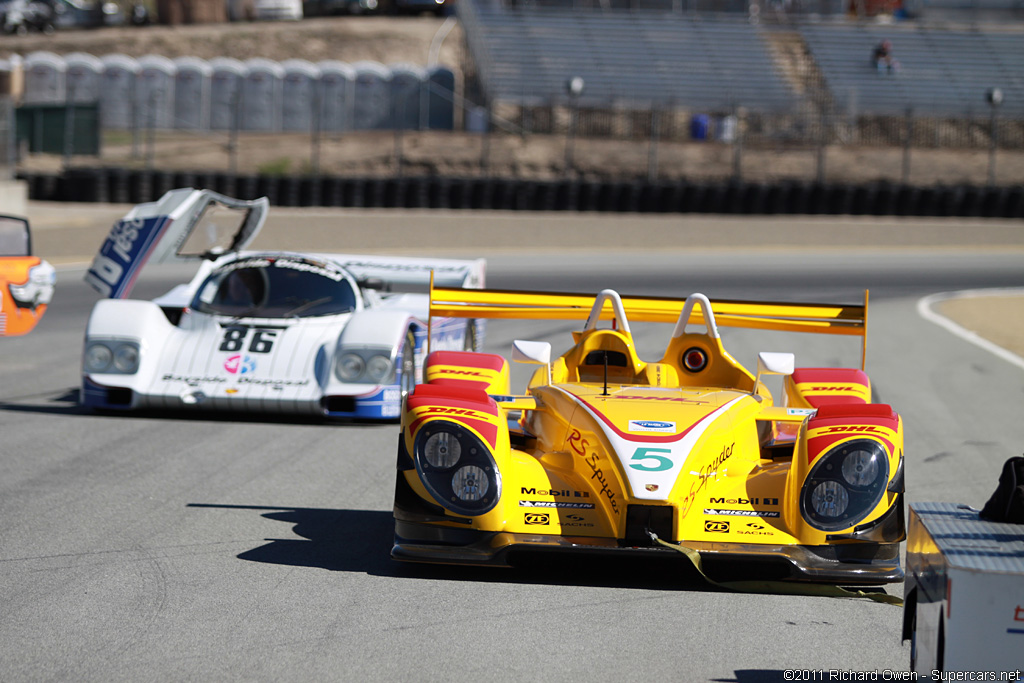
(275, 287)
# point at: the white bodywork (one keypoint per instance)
(965, 593)
(187, 357)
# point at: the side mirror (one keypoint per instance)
(538, 353)
(773, 363)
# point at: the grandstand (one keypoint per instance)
(792, 75)
(630, 59)
(942, 73)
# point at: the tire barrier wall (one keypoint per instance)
(117, 185)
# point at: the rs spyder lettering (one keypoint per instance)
(706, 472)
(579, 446)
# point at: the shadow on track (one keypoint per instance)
(360, 541)
(67, 403)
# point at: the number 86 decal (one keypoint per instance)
(234, 340)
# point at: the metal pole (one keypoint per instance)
(135, 120)
(570, 133)
(10, 136)
(314, 152)
(652, 151)
(821, 149)
(399, 123)
(485, 141)
(907, 144)
(151, 142)
(992, 147)
(737, 150)
(69, 127)
(236, 115)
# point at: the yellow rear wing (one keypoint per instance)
(849, 320)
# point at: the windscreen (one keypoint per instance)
(13, 237)
(275, 287)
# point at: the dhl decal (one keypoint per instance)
(458, 372)
(834, 389)
(869, 429)
(821, 439)
(674, 399)
(468, 413)
(484, 423)
(487, 431)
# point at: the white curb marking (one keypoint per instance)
(924, 309)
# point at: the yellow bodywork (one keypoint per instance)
(603, 449)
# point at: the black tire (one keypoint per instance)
(408, 365)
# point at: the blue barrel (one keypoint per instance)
(699, 127)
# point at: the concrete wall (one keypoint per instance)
(13, 197)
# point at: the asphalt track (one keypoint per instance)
(204, 548)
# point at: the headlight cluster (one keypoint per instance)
(365, 366)
(116, 357)
(845, 485)
(457, 468)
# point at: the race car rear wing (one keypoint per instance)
(410, 270)
(840, 319)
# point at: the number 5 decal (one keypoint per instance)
(661, 463)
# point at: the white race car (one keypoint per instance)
(314, 334)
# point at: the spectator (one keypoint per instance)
(882, 57)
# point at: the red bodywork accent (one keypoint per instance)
(846, 419)
(469, 361)
(831, 376)
(651, 438)
(456, 397)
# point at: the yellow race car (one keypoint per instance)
(606, 453)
